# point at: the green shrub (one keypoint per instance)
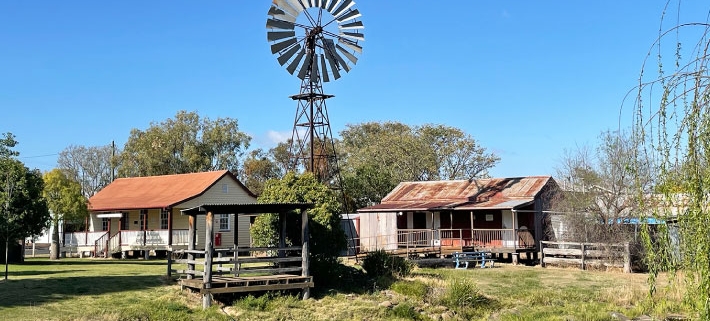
(379, 263)
(250, 302)
(463, 293)
(415, 289)
(405, 311)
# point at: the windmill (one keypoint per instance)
(316, 40)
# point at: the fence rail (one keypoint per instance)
(586, 254)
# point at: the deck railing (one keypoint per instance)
(477, 238)
(82, 238)
(180, 237)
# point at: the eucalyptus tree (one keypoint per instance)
(92, 166)
(184, 144)
(259, 167)
(378, 156)
(672, 126)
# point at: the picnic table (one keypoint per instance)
(483, 258)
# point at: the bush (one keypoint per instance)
(379, 263)
(405, 311)
(250, 302)
(463, 293)
(414, 289)
(330, 273)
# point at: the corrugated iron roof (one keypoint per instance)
(155, 191)
(497, 204)
(462, 194)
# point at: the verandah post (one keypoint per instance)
(191, 247)
(209, 248)
(305, 259)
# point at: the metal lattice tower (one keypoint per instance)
(312, 146)
(316, 48)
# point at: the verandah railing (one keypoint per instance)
(479, 238)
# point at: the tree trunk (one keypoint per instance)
(54, 247)
(7, 241)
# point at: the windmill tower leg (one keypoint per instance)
(312, 147)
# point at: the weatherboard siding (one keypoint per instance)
(224, 191)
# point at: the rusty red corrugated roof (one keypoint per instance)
(155, 191)
(460, 194)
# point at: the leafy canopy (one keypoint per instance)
(64, 197)
(23, 209)
(185, 144)
(327, 237)
(378, 156)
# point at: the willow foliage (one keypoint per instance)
(672, 129)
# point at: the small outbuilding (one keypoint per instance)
(504, 215)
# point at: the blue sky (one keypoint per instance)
(527, 79)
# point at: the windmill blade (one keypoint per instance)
(353, 35)
(347, 54)
(352, 25)
(277, 35)
(348, 43)
(314, 71)
(304, 68)
(342, 62)
(296, 4)
(330, 46)
(346, 4)
(280, 14)
(330, 55)
(288, 54)
(292, 66)
(332, 5)
(285, 6)
(279, 24)
(349, 15)
(324, 4)
(324, 68)
(283, 45)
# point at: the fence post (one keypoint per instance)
(583, 265)
(170, 262)
(627, 258)
(542, 253)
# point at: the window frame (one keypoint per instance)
(164, 219)
(224, 219)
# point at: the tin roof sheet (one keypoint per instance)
(155, 191)
(462, 194)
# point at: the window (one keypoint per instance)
(124, 221)
(223, 222)
(143, 220)
(104, 224)
(225, 188)
(164, 219)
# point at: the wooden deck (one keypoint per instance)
(222, 284)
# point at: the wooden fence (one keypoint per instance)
(586, 254)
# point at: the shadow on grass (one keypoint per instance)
(42, 272)
(29, 292)
(87, 261)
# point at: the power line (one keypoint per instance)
(38, 156)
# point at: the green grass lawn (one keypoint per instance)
(95, 289)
